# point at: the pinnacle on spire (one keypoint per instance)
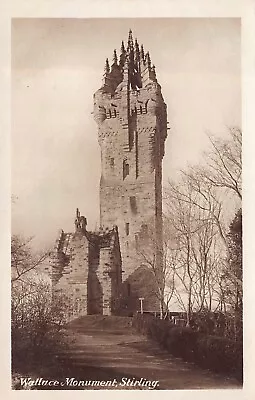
(122, 54)
(137, 54)
(147, 58)
(115, 58)
(137, 50)
(130, 40)
(77, 212)
(107, 66)
(142, 52)
(122, 49)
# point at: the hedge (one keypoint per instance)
(217, 354)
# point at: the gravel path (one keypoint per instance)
(108, 349)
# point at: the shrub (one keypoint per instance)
(182, 342)
(36, 322)
(218, 354)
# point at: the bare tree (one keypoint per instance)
(164, 277)
(224, 162)
(36, 317)
(218, 178)
(205, 251)
(197, 209)
(180, 217)
(23, 260)
(196, 213)
(194, 235)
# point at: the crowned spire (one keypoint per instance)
(132, 63)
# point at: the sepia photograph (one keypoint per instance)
(126, 203)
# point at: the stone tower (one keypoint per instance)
(132, 128)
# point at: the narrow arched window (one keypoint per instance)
(136, 242)
(133, 204)
(125, 169)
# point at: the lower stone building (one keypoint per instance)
(86, 268)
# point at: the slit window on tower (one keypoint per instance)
(133, 204)
(112, 162)
(125, 169)
(145, 108)
(136, 242)
(127, 228)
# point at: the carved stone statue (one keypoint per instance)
(80, 221)
(77, 223)
(83, 223)
(77, 219)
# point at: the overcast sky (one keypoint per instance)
(57, 65)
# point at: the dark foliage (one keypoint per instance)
(235, 273)
(37, 319)
(218, 354)
(36, 329)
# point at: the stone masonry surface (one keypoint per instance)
(105, 272)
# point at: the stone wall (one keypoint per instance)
(86, 268)
(74, 275)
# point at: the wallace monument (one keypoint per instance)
(105, 272)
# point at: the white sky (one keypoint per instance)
(57, 65)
